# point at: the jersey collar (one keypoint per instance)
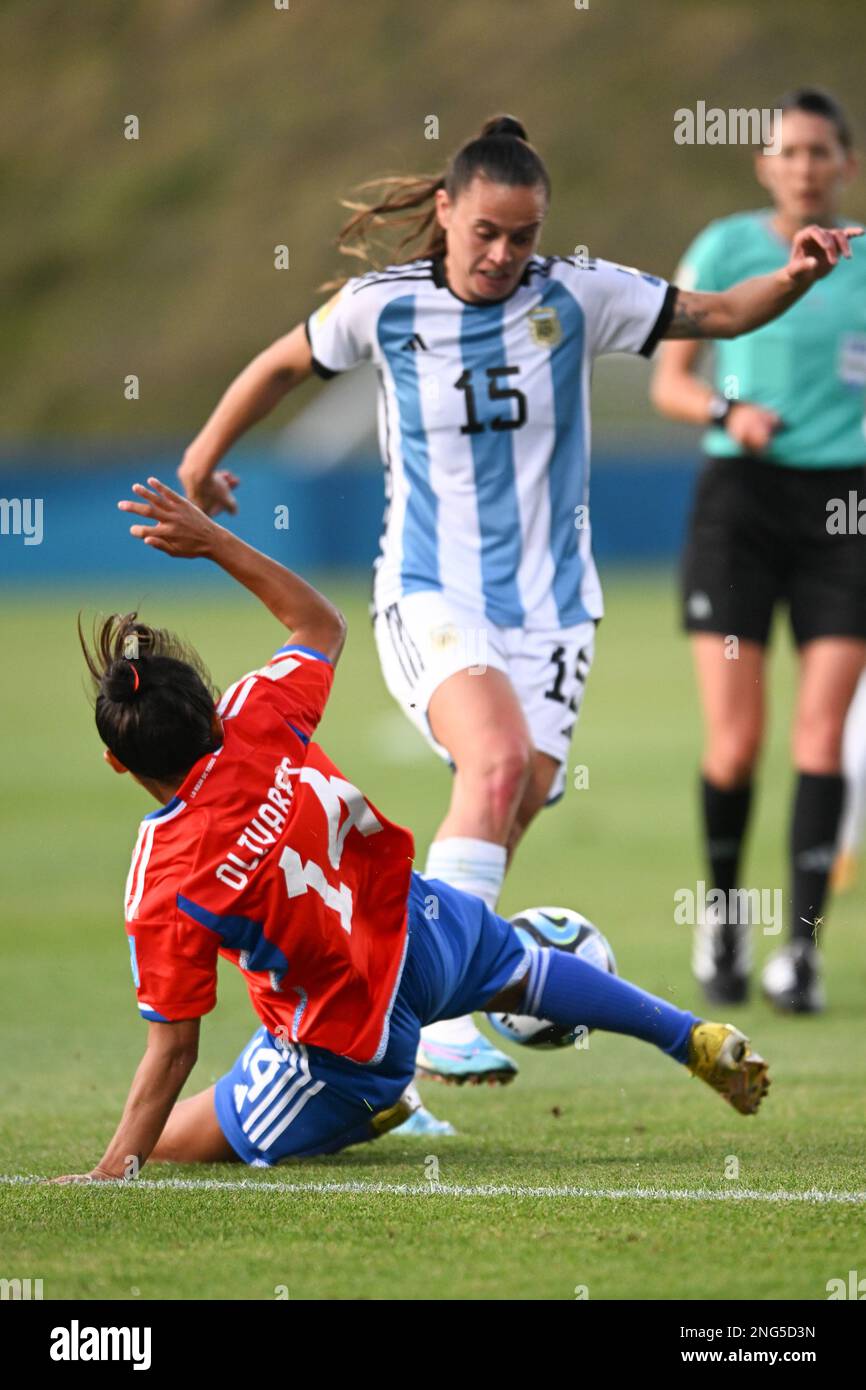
(191, 784)
(440, 280)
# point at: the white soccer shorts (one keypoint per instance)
(426, 637)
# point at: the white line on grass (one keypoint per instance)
(445, 1189)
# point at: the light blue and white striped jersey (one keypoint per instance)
(484, 426)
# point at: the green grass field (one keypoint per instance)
(618, 1118)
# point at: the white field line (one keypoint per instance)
(445, 1189)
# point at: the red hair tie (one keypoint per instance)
(137, 680)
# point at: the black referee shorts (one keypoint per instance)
(758, 536)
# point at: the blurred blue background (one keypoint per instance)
(638, 510)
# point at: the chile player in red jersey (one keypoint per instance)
(263, 853)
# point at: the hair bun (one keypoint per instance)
(504, 125)
(120, 684)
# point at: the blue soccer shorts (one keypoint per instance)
(285, 1100)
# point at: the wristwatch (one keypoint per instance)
(720, 409)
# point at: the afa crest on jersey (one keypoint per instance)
(545, 327)
(444, 636)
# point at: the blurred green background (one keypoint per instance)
(155, 256)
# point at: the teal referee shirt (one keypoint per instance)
(809, 365)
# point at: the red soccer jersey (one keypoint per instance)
(269, 857)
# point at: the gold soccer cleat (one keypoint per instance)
(720, 1055)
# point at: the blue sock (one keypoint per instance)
(570, 992)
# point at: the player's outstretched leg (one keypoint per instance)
(571, 992)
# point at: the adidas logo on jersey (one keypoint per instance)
(414, 344)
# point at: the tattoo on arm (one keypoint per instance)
(690, 315)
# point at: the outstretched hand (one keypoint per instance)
(181, 529)
(816, 250)
(95, 1175)
(213, 492)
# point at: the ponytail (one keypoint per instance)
(500, 152)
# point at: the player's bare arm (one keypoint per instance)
(678, 392)
(172, 1049)
(183, 530)
(252, 395)
(814, 252)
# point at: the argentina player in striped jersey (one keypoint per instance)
(486, 596)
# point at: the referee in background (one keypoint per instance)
(785, 444)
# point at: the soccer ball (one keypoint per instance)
(564, 930)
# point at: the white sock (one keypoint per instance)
(476, 866)
(413, 1096)
(451, 1030)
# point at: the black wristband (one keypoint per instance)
(720, 409)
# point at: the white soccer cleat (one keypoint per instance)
(722, 957)
(791, 979)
